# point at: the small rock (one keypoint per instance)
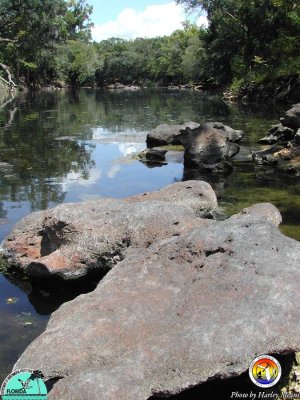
(297, 136)
(292, 117)
(157, 155)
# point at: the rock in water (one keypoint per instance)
(208, 149)
(178, 313)
(292, 117)
(196, 195)
(72, 240)
(179, 134)
(167, 134)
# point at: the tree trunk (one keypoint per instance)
(10, 83)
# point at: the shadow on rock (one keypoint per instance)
(218, 389)
(47, 296)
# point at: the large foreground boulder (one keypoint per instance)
(71, 240)
(181, 312)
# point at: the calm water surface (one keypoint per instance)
(109, 129)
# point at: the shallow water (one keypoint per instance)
(109, 128)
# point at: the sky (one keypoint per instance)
(129, 19)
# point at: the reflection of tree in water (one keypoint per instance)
(3, 212)
(38, 161)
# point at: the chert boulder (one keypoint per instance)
(183, 311)
(228, 133)
(181, 134)
(196, 195)
(74, 239)
(167, 134)
(208, 149)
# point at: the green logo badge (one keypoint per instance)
(24, 384)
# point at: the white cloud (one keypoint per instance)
(114, 169)
(202, 21)
(75, 178)
(155, 20)
(127, 149)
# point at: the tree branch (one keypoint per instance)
(9, 81)
(8, 40)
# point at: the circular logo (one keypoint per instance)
(265, 371)
(24, 384)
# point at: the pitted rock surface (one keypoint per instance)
(185, 310)
(73, 239)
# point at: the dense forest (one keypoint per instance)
(247, 43)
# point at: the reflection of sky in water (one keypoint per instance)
(116, 174)
(127, 136)
(128, 149)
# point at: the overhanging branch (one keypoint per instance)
(9, 80)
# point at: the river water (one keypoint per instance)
(44, 170)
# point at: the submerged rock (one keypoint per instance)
(73, 239)
(176, 314)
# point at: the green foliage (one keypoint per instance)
(31, 30)
(247, 42)
(168, 59)
(250, 40)
(77, 62)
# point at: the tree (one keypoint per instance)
(77, 62)
(30, 31)
(243, 36)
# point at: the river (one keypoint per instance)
(44, 169)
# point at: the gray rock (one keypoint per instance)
(271, 139)
(180, 134)
(167, 134)
(74, 239)
(297, 136)
(232, 135)
(179, 313)
(266, 156)
(227, 132)
(195, 195)
(153, 155)
(292, 117)
(278, 133)
(207, 148)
